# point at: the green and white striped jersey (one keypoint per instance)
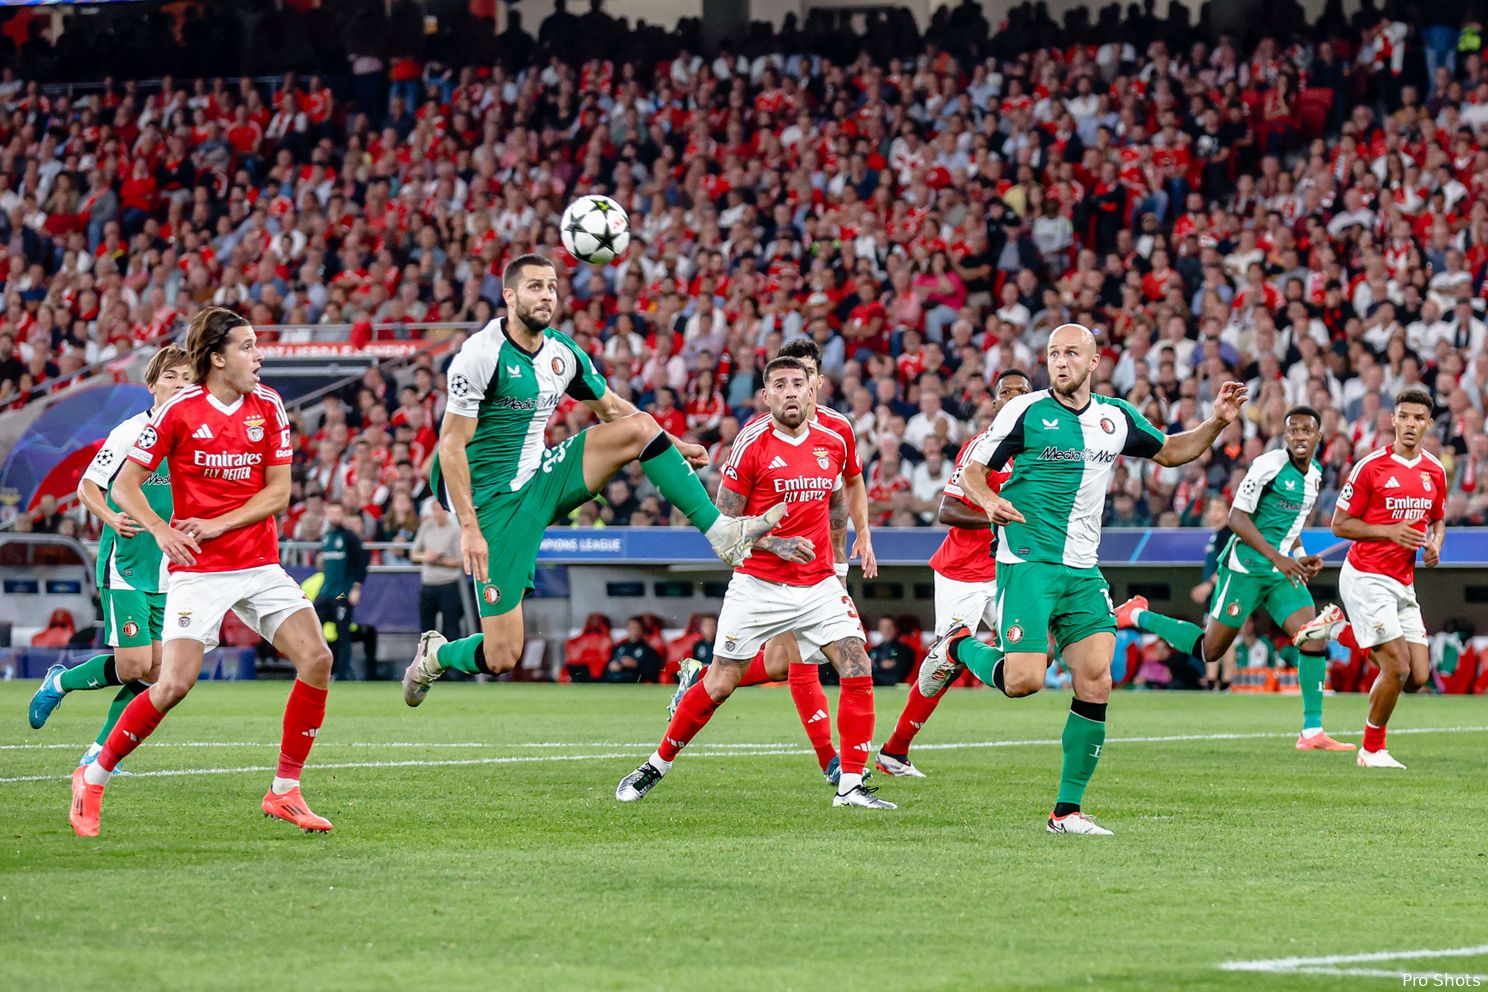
(1062, 465)
(511, 394)
(130, 562)
(1279, 497)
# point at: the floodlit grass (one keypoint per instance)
(478, 845)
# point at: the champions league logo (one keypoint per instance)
(459, 386)
(147, 438)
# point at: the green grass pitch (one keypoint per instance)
(478, 845)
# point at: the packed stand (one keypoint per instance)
(1304, 211)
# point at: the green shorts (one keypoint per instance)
(132, 619)
(1036, 599)
(513, 525)
(1238, 594)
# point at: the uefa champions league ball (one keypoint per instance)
(595, 229)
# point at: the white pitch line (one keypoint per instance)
(1289, 964)
(703, 751)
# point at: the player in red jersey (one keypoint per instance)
(965, 567)
(790, 590)
(1392, 506)
(226, 440)
(782, 655)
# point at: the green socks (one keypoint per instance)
(1181, 634)
(463, 655)
(95, 673)
(679, 484)
(982, 660)
(1312, 670)
(1084, 736)
(127, 692)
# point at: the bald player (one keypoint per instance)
(1063, 443)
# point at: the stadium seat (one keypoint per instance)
(59, 630)
(587, 654)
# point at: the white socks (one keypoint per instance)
(1311, 731)
(659, 763)
(283, 785)
(94, 774)
(848, 781)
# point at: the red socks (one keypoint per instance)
(1374, 737)
(1347, 639)
(755, 674)
(138, 721)
(692, 715)
(917, 710)
(814, 710)
(303, 715)
(855, 723)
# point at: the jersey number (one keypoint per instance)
(553, 456)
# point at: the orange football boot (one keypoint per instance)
(1321, 742)
(87, 806)
(291, 808)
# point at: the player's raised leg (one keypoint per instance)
(639, 436)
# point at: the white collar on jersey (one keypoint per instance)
(1407, 462)
(794, 442)
(224, 408)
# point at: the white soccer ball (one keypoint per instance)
(595, 229)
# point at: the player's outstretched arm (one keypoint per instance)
(179, 547)
(271, 499)
(974, 484)
(1401, 532)
(954, 513)
(1180, 449)
(1245, 529)
(454, 434)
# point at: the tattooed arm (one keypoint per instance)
(796, 549)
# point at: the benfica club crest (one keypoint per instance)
(255, 427)
(823, 457)
(1426, 481)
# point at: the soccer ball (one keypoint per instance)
(595, 229)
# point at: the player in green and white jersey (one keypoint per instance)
(1257, 568)
(1063, 443)
(131, 574)
(505, 485)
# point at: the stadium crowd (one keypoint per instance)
(1303, 209)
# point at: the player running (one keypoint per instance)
(782, 656)
(1063, 443)
(228, 446)
(505, 486)
(1256, 568)
(791, 590)
(965, 567)
(131, 575)
(1392, 506)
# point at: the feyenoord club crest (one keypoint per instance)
(558, 365)
(491, 595)
(1108, 425)
(822, 457)
(255, 427)
(1014, 634)
(131, 628)
(1233, 609)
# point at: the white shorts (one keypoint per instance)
(1380, 608)
(262, 597)
(755, 611)
(971, 603)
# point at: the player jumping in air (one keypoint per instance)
(1392, 506)
(782, 655)
(505, 485)
(1063, 443)
(965, 567)
(131, 574)
(787, 589)
(227, 442)
(1256, 568)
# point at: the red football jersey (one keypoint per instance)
(966, 553)
(837, 423)
(768, 466)
(219, 456)
(1384, 488)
